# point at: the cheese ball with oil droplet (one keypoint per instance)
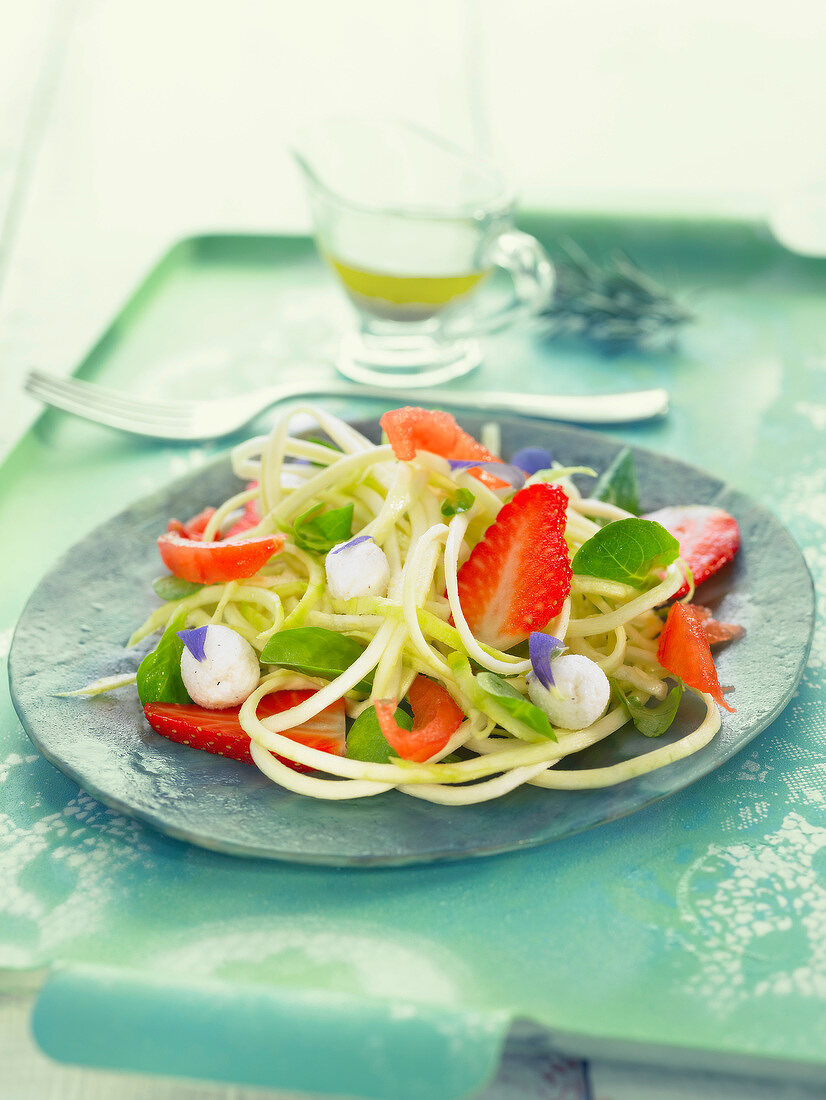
(584, 689)
(226, 674)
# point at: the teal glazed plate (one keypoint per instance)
(75, 625)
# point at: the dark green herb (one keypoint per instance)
(618, 485)
(314, 650)
(626, 551)
(461, 501)
(652, 721)
(170, 587)
(612, 303)
(159, 673)
(319, 531)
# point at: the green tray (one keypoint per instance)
(690, 934)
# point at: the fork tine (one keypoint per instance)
(103, 397)
(88, 400)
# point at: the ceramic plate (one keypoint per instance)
(74, 628)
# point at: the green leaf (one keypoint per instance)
(365, 741)
(159, 673)
(515, 704)
(618, 485)
(652, 721)
(626, 551)
(319, 531)
(322, 443)
(461, 502)
(170, 587)
(314, 650)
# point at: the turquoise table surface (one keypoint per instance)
(693, 933)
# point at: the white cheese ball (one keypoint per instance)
(585, 689)
(228, 673)
(359, 570)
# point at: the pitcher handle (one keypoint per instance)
(533, 281)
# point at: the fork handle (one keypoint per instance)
(606, 408)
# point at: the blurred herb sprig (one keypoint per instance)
(611, 302)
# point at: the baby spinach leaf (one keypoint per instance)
(319, 531)
(515, 704)
(170, 587)
(313, 650)
(461, 501)
(618, 485)
(365, 741)
(626, 551)
(159, 673)
(652, 721)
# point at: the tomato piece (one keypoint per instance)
(250, 517)
(221, 733)
(684, 650)
(413, 429)
(193, 528)
(435, 719)
(216, 562)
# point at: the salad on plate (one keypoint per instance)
(421, 615)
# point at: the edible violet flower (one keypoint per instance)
(352, 542)
(510, 474)
(531, 459)
(540, 649)
(194, 640)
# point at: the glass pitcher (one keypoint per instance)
(412, 226)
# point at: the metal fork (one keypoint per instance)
(192, 420)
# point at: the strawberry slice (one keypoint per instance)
(220, 732)
(250, 517)
(683, 649)
(216, 562)
(412, 429)
(516, 579)
(715, 631)
(708, 537)
(435, 719)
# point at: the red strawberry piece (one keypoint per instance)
(516, 579)
(217, 562)
(413, 429)
(250, 517)
(708, 537)
(717, 632)
(193, 528)
(435, 719)
(683, 649)
(220, 732)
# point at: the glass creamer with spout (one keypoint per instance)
(412, 226)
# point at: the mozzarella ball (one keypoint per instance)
(357, 570)
(584, 687)
(227, 674)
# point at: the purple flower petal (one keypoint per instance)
(352, 542)
(540, 649)
(194, 641)
(510, 474)
(531, 459)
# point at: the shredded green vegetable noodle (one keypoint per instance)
(419, 627)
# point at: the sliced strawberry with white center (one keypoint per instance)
(708, 537)
(220, 732)
(516, 579)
